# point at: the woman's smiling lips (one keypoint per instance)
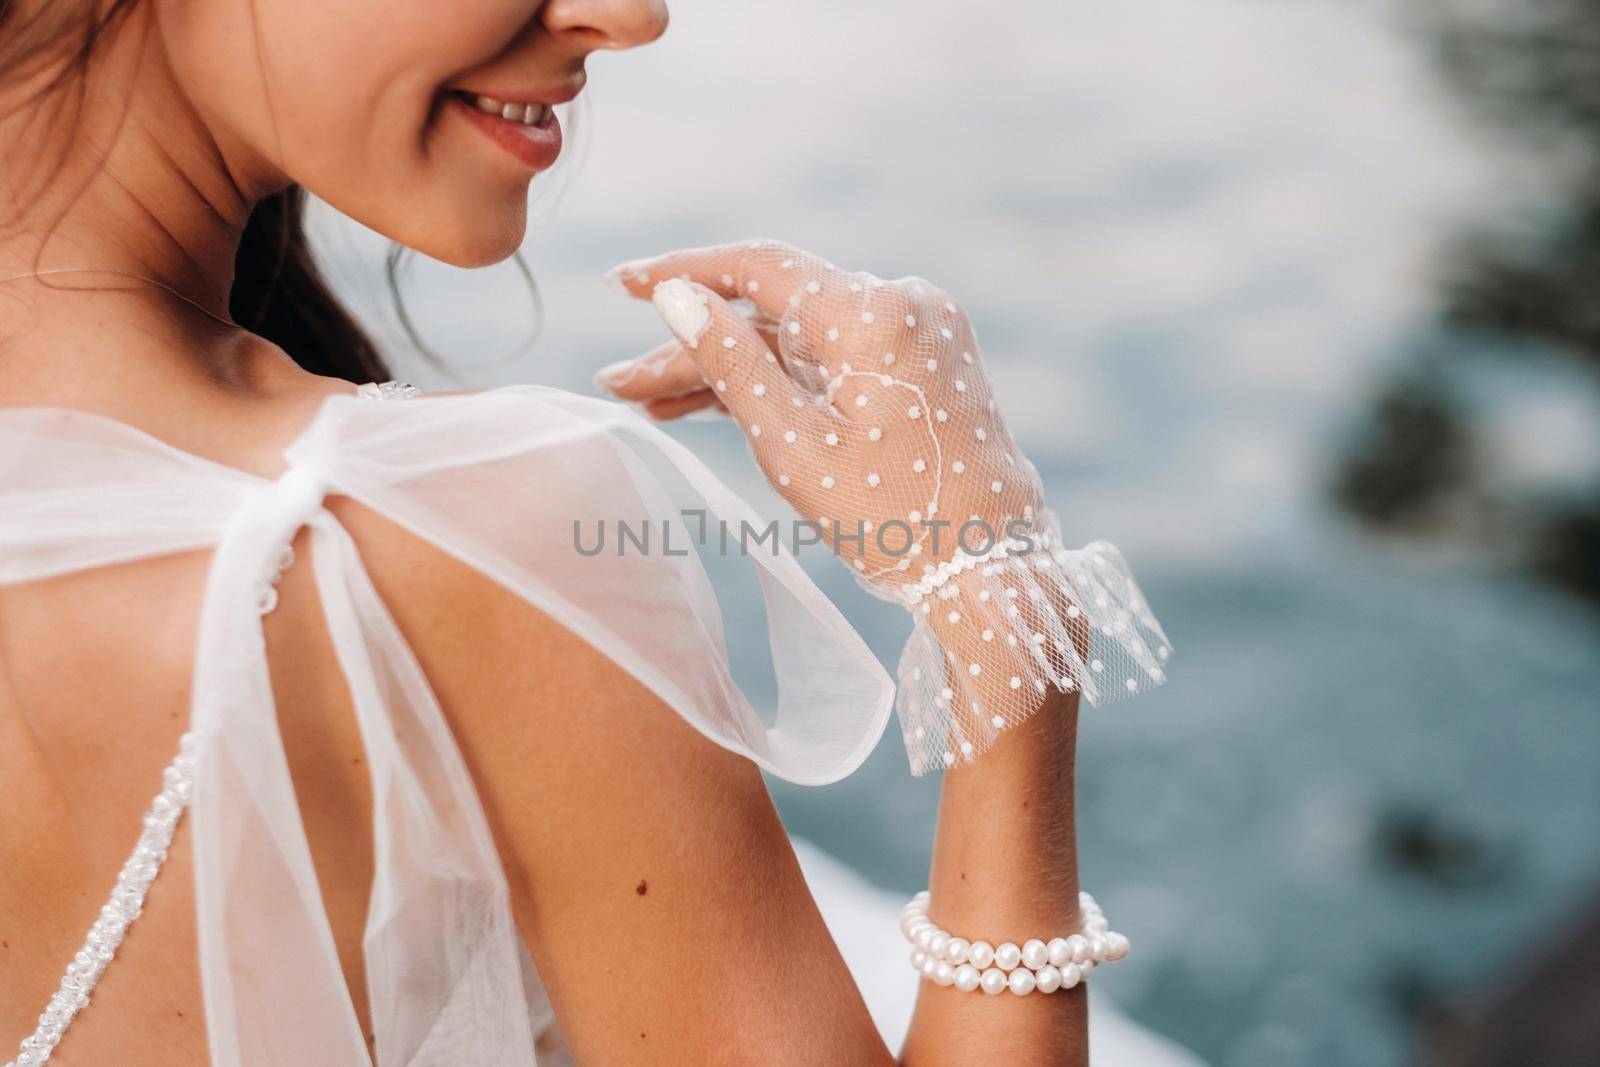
(525, 127)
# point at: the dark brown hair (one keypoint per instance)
(278, 292)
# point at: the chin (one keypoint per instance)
(479, 233)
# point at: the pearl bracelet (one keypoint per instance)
(1060, 963)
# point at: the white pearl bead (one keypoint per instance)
(1060, 951)
(1116, 946)
(981, 953)
(956, 951)
(1086, 968)
(1021, 981)
(917, 956)
(928, 966)
(1079, 946)
(1035, 954)
(944, 973)
(1007, 956)
(1097, 947)
(1047, 979)
(993, 981)
(967, 977)
(925, 936)
(1071, 975)
(938, 942)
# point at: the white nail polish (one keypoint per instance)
(682, 310)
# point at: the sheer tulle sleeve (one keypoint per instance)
(533, 487)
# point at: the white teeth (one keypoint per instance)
(527, 114)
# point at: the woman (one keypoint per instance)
(461, 791)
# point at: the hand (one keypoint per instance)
(865, 401)
(866, 405)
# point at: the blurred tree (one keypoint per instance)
(1410, 456)
(1531, 68)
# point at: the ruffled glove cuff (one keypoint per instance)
(995, 633)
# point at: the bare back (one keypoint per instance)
(619, 845)
(95, 679)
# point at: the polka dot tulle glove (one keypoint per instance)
(866, 405)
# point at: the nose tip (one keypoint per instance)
(613, 24)
(651, 21)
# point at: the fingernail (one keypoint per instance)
(636, 270)
(682, 309)
(612, 374)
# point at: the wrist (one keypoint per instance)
(1005, 855)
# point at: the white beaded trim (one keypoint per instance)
(125, 905)
(387, 391)
(1045, 966)
(267, 588)
(915, 592)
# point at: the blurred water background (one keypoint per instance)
(1293, 301)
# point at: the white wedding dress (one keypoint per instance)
(497, 479)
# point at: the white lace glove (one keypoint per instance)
(866, 405)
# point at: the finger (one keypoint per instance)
(715, 413)
(676, 407)
(665, 371)
(731, 354)
(774, 276)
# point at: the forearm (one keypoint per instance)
(1005, 869)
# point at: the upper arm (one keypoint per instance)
(649, 873)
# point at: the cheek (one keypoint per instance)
(342, 97)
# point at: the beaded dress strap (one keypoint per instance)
(142, 866)
(127, 901)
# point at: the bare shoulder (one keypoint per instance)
(633, 845)
(512, 677)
